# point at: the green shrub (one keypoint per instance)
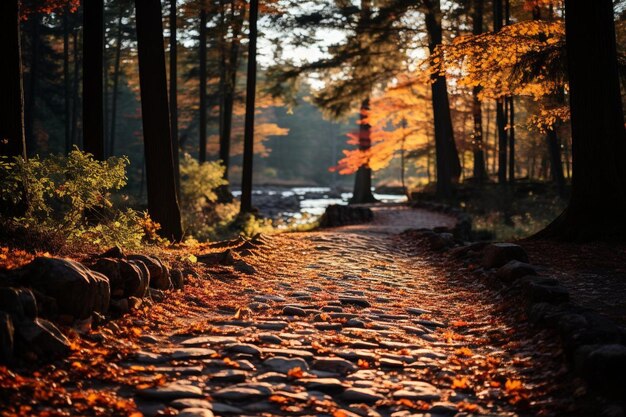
(204, 218)
(66, 200)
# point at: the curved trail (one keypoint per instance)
(361, 322)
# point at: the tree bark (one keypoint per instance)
(174, 92)
(248, 140)
(33, 81)
(116, 77)
(511, 109)
(362, 192)
(500, 113)
(75, 87)
(556, 165)
(448, 163)
(12, 141)
(598, 201)
(67, 117)
(203, 81)
(480, 172)
(162, 201)
(93, 76)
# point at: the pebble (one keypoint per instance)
(193, 353)
(361, 395)
(294, 311)
(191, 403)
(356, 301)
(195, 412)
(283, 365)
(243, 392)
(245, 348)
(337, 365)
(171, 391)
(229, 375)
(326, 385)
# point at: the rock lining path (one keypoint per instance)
(361, 322)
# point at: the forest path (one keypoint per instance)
(361, 322)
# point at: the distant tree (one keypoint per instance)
(598, 201)
(501, 121)
(248, 151)
(202, 58)
(93, 78)
(12, 141)
(162, 200)
(173, 17)
(480, 171)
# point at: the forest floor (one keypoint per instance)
(358, 320)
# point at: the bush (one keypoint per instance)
(62, 200)
(204, 218)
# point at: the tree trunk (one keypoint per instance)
(116, 77)
(500, 113)
(33, 81)
(248, 139)
(511, 108)
(448, 163)
(174, 92)
(75, 87)
(203, 80)
(93, 75)
(67, 118)
(12, 141)
(480, 172)
(556, 165)
(162, 201)
(230, 89)
(598, 202)
(362, 192)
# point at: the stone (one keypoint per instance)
(391, 363)
(150, 358)
(193, 353)
(418, 390)
(361, 395)
(183, 403)
(244, 267)
(126, 279)
(195, 412)
(171, 391)
(554, 294)
(355, 323)
(294, 311)
(245, 348)
(416, 311)
(177, 278)
(604, 367)
(514, 270)
(217, 258)
(272, 377)
(20, 303)
(226, 409)
(356, 301)
(271, 325)
(443, 409)
(115, 252)
(325, 385)
(339, 215)
(335, 365)
(120, 306)
(159, 274)
(42, 337)
(7, 334)
(208, 340)
(287, 352)
(243, 392)
(283, 365)
(270, 339)
(229, 375)
(77, 290)
(496, 255)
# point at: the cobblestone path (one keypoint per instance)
(351, 321)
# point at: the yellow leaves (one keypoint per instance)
(363, 364)
(136, 331)
(192, 258)
(295, 373)
(230, 362)
(512, 386)
(464, 351)
(460, 383)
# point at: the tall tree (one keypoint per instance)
(174, 91)
(203, 80)
(362, 192)
(116, 78)
(500, 114)
(93, 76)
(248, 140)
(598, 201)
(480, 171)
(30, 108)
(162, 200)
(448, 163)
(12, 141)
(67, 118)
(511, 109)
